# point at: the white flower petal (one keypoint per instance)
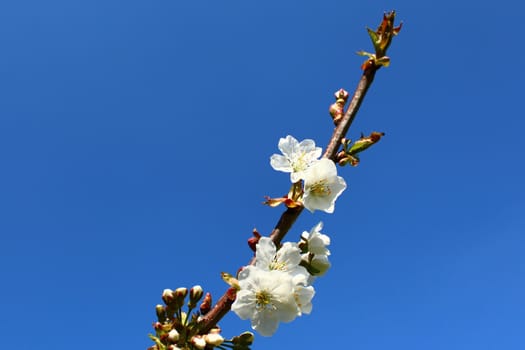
(288, 146)
(304, 297)
(265, 253)
(269, 297)
(243, 304)
(265, 323)
(317, 241)
(280, 163)
(297, 157)
(289, 256)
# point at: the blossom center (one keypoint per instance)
(277, 265)
(263, 301)
(320, 188)
(299, 164)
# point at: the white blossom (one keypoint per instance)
(297, 157)
(317, 242)
(322, 186)
(268, 297)
(275, 289)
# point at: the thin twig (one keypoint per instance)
(290, 215)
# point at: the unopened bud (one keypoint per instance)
(321, 264)
(215, 329)
(173, 336)
(161, 313)
(167, 296)
(337, 109)
(173, 347)
(198, 342)
(244, 339)
(195, 295)
(179, 294)
(247, 338)
(213, 339)
(341, 94)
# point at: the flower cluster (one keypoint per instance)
(181, 330)
(278, 287)
(321, 185)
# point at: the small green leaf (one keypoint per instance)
(365, 142)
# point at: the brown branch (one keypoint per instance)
(284, 224)
(289, 216)
(342, 128)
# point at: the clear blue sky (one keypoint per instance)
(135, 139)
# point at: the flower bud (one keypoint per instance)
(198, 342)
(173, 336)
(337, 109)
(321, 264)
(161, 313)
(167, 296)
(179, 294)
(195, 295)
(213, 339)
(246, 338)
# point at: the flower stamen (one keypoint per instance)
(320, 188)
(263, 301)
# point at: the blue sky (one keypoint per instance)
(135, 140)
